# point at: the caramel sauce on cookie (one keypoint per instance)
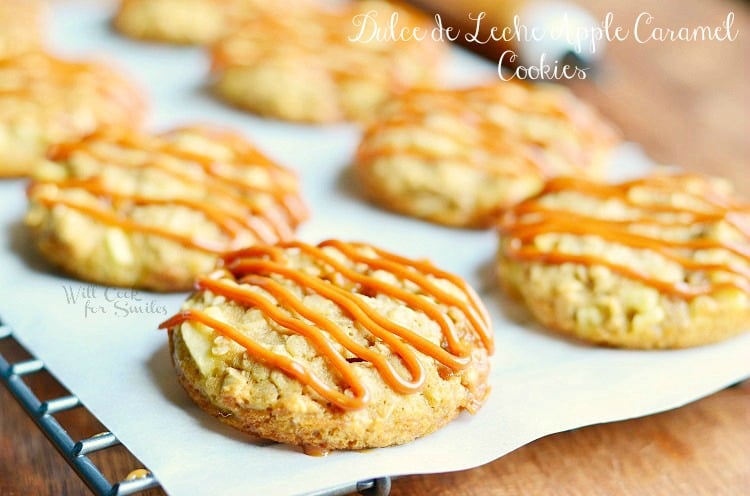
(41, 76)
(261, 267)
(328, 37)
(521, 225)
(239, 211)
(497, 145)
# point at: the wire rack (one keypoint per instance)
(76, 453)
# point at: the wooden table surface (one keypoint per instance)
(686, 103)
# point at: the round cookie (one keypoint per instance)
(45, 100)
(152, 212)
(188, 22)
(20, 27)
(660, 262)
(320, 65)
(459, 156)
(334, 346)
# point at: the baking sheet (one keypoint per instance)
(103, 343)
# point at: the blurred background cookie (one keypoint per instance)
(459, 156)
(188, 21)
(46, 100)
(21, 23)
(322, 65)
(661, 262)
(334, 346)
(152, 212)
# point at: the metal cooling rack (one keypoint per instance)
(76, 452)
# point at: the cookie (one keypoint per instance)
(20, 27)
(459, 156)
(151, 212)
(46, 100)
(189, 22)
(320, 65)
(659, 262)
(334, 346)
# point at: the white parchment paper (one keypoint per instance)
(103, 343)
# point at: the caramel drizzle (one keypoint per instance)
(521, 232)
(333, 28)
(261, 266)
(62, 71)
(240, 213)
(42, 71)
(496, 139)
(221, 184)
(227, 221)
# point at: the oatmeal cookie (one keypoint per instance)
(659, 262)
(151, 212)
(334, 346)
(312, 65)
(45, 100)
(459, 156)
(189, 22)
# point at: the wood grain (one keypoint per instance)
(685, 103)
(699, 449)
